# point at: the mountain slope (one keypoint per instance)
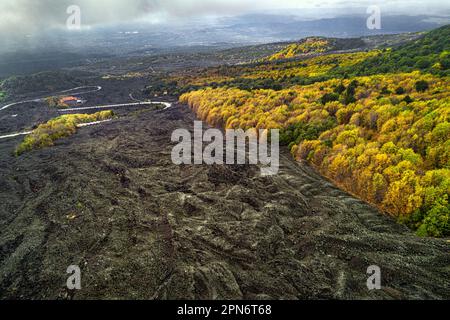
(430, 53)
(141, 227)
(379, 133)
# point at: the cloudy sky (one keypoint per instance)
(24, 17)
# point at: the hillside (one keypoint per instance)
(317, 45)
(430, 53)
(307, 46)
(41, 82)
(377, 123)
(109, 198)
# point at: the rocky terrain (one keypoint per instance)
(110, 200)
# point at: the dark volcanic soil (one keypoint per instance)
(110, 200)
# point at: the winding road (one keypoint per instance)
(98, 88)
(111, 106)
(167, 105)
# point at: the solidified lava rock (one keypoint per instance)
(140, 227)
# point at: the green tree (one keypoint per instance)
(422, 86)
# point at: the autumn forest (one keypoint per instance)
(376, 123)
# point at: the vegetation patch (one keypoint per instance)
(310, 45)
(46, 134)
(56, 102)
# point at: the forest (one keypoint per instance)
(376, 123)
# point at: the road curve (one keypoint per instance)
(20, 102)
(81, 125)
(98, 88)
(12, 135)
(166, 104)
(111, 106)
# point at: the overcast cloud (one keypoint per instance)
(21, 17)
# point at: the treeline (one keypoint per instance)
(276, 75)
(430, 54)
(385, 138)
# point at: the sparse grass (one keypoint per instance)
(46, 134)
(2, 95)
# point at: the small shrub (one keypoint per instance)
(436, 222)
(422, 86)
(408, 99)
(400, 90)
(329, 97)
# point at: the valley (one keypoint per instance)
(109, 199)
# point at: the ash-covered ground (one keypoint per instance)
(110, 200)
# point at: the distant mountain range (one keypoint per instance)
(60, 49)
(291, 27)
